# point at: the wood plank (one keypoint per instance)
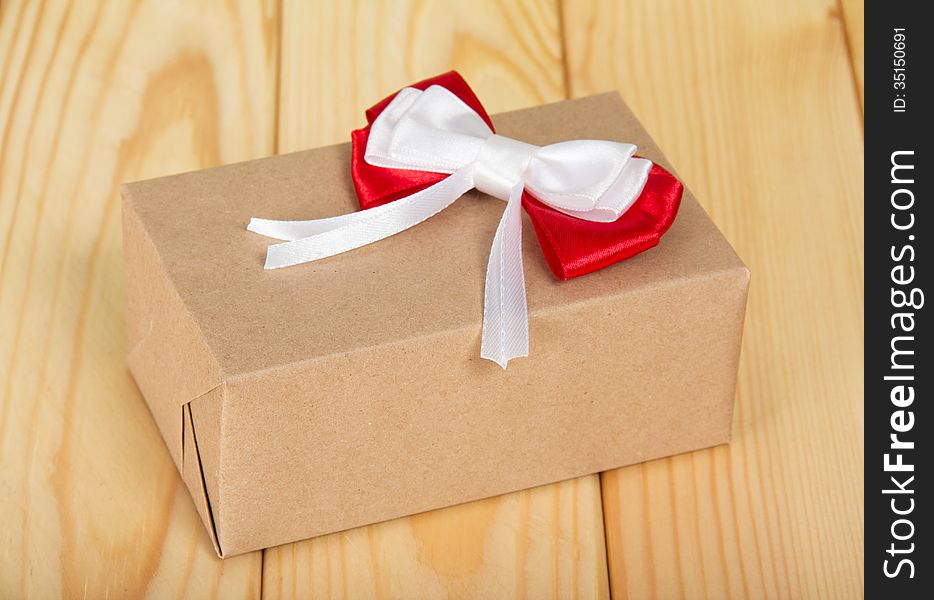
(93, 94)
(541, 543)
(853, 20)
(337, 60)
(754, 103)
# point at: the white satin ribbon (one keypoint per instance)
(434, 130)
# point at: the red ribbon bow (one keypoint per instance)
(571, 246)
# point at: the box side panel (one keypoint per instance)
(733, 330)
(398, 429)
(166, 353)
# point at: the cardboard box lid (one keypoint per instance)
(421, 282)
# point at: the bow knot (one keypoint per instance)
(433, 130)
(501, 164)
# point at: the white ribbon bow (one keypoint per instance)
(434, 130)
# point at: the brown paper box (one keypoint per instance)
(330, 395)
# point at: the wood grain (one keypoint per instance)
(755, 104)
(337, 60)
(853, 19)
(541, 543)
(93, 94)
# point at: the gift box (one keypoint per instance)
(329, 395)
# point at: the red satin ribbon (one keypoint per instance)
(571, 246)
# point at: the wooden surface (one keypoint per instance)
(758, 106)
(853, 19)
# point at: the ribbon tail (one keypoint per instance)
(296, 230)
(335, 235)
(505, 312)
